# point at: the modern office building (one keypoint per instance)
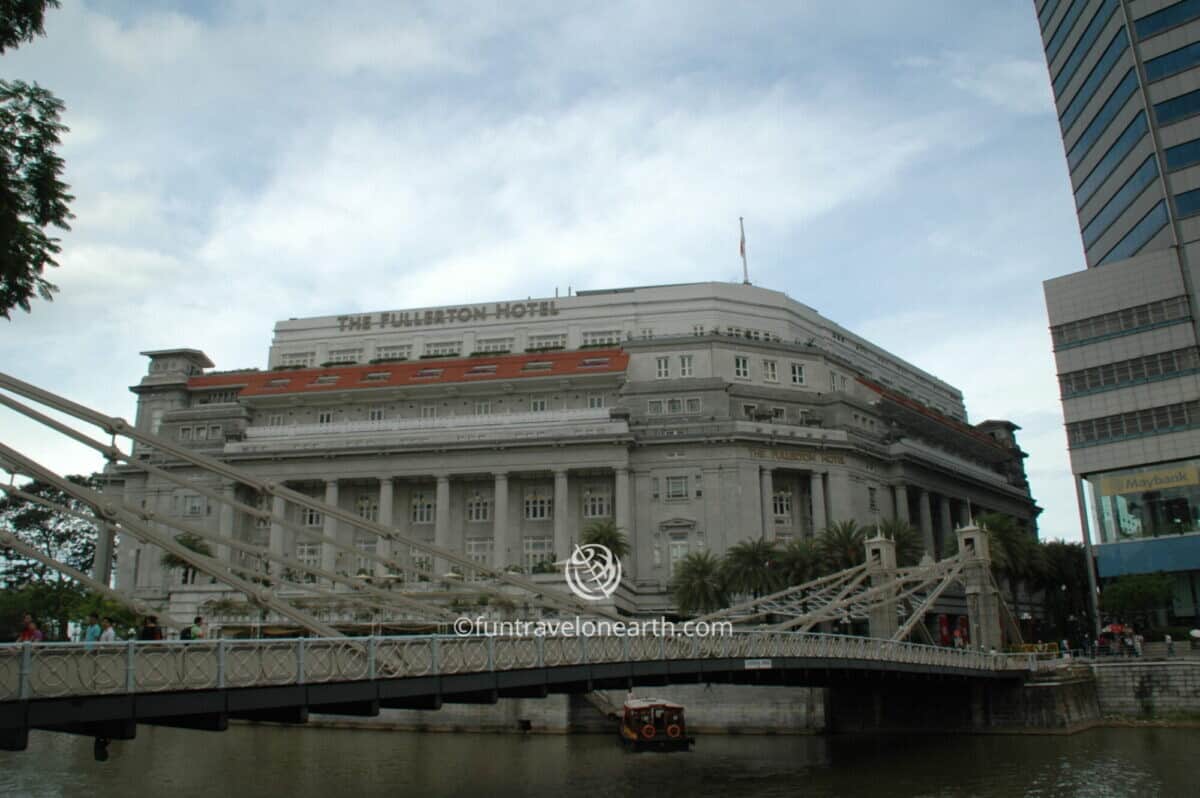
(694, 416)
(1126, 81)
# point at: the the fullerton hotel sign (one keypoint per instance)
(436, 316)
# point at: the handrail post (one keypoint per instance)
(130, 668)
(26, 688)
(371, 657)
(491, 648)
(299, 660)
(221, 663)
(541, 651)
(435, 650)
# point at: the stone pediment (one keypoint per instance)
(677, 523)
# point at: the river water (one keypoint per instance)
(335, 763)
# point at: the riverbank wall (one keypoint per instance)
(1149, 690)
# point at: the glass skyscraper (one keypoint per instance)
(1126, 81)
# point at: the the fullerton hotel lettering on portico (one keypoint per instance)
(798, 456)
(436, 316)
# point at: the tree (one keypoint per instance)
(188, 541)
(842, 546)
(752, 567)
(800, 562)
(1136, 594)
(699, 584)
(32, 197)
(909, 547)
(606, 533)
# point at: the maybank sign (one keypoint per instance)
(439, 316)
(1144, 481)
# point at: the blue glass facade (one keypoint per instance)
(1124, 144)
(1118, 45)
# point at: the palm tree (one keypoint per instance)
(842, 545)
(188, 541)
(606, 533)
(800, 562)
(909, 547)
(752, 567)
(698, 585)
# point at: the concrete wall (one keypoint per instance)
(1148, 689)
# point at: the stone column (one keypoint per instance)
(441, 523)
(623, 513)
(840, 506)
(278, 540)
(881, 566)
(714, 526)
(964, 512)
(103, 558)
(387, 511)
(503, 551)
(945, 525)
(767, 487)
(983, 600)
(562, 539)
(816, 483)
(329, 552)
(900, 502)
(225, 518)
(926, 520)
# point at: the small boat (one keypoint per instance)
(651, 724)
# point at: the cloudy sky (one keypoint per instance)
(898, 165)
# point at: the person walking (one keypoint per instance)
(197, 629)
(1170, 645)
(92, 631)
(150, 629)
(109, 634)
(30, 633)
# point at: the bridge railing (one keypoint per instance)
(50, 670)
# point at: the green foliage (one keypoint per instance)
(909, 546)
(606, 533)
(800, 562)
(188, 541)
(22, 20)
(843, 546)
(753, 567)
(699, 584)
(65, 538)
(1136, 593)
(544, 567)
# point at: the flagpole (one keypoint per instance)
(745, 269)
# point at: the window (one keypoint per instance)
(326, 379)
(364, 564)
(1059, 37)
(216, 397)
(1129, 372)
(873, 499)
(428, 374)
(429, 411)
(262, 502)
(1104, 117)
(797, 374)
(444, 348)
(692, 405)
(596, 401)
(593, 362)
(676, 552)
(312, 517)
(394, 352)
(1146, 228)
(677, 488)
(494, 345)
(654, 407)
(304, 359)
(1173, 63)
(367, 508)
(537, 551)
(697, 329)
(1121, 199)
(1120, 322)
(550, 341)
(185, 433)
(537, 365)
(376, 414)
(1111, 159)
(538, 506)
(1151, 421)
(741, 367)
(479, 508)
(597, 504)
(770, 371)
(344, 356)
(309, 555)
(685, 365)
(1169, 17)
(377, 376)
(422, 508)
(479, 551)
(662, 368)
(194, 505)
(421, 560)
(674, 407)
(647, 333)
(325, 417)
(481, 370)
(483, 407)
(275, 420)
(201, 433)
(538, 405)
(778, 413)
(601, 337)
(1084, 46)
(781, 505)
(1188, 203)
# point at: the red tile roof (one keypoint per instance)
(394, 375)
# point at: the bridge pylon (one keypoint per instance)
(983, 597)
(881, 569)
